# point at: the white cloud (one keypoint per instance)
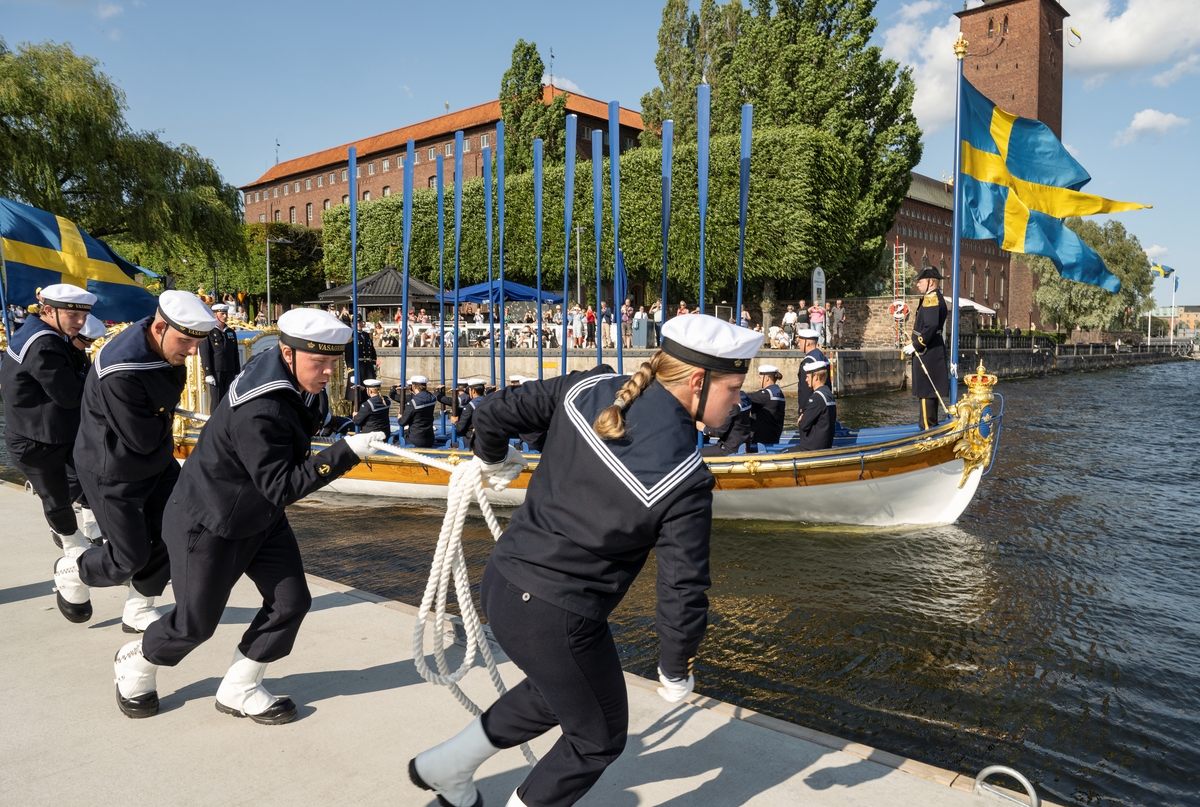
(407, 91)
(1168, 77)
(106, 10)
(914, 11)
(1130, 35)
(1156, 253)
(1074, 152)
(1149, 122)
(926, 47)
(563, 83)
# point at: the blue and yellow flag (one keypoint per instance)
(1161, 271)
(41, 248)
(1019, 183)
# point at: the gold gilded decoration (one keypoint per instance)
(960, 47)
(312, 344)
(973, 448)
(323, 469)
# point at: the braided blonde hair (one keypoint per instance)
(670, 372)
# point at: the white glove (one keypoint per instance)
(360, 444)
(675, 691)
(909, 349)
(498, 475)
(210, 380)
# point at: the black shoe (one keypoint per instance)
(283, 710)
(139, 707)
(74, 613)
(416, 779)
(54, 537)
(127, 628)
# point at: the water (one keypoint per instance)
(1054, 628)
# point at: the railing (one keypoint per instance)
(988, 341)
(998, 341)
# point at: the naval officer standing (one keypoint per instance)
(220, 357)
(620, 475)
(930, 375)
(253, 456)
(41, 381)
(125, 460)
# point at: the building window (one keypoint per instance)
(286, 189)
(387, 190)
(466, 144)
(387, 164)
(972, 282)
(278, 215)
(449, 149)
(326, 205)
(432, 154)
(256, 196)
(433, 182)
(987, 284)
(297, 186)
(991, 29)
(292, 215)
(399, 162)
(332, 178)
(371, 169)
(485, 140)
(358, 172)
(308, 211)
(320, 182)
(275, 192)
(345, 199)
(262, 217)
(1004, 26)
(308, 184)
(366, 196)
(1001, 289)
(345, 174)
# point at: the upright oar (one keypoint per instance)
(406, 242)
(703, 96)
(458, 168)
(441, 222)
(614, 175)
(743, 203)
(487, 227)
(353, 159)
(500, 246)
(597, 223)
(668, 149)
(537, 241)
(568, 211)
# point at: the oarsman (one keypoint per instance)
(254, 457)
(930, 375)
(220, 357)
(416, 421)
(806, 339)
(734, 432)
(818, 413)
(464, 424)
(124, 456)
(92, 330)
(767, 406)
(620, 475)
(375, 413)
(41, 380)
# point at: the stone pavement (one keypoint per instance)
(363, 712)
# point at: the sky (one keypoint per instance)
(232, 79)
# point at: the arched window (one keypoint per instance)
(326, 206)
(991, 28)
(278, 215)
(433, 180)
(366, 196)
(987, 283)
(1004, 25)
(292, 215)
(387, 190)
(345, 199)
(308, 211)
(1001, 289)
(972, 295)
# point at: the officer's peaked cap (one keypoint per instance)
(186, 313)
(711, 343)
(68, 297)
(311, 330)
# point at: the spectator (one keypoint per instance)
(656, 313)
(837, 318)
(745, 318)
(627, 323)
(789, 322)
(683, 309)
(802, 318)
(591, 326)
(606, 323)
(816, 316)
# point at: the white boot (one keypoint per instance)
(448, 769)
(74, 598)
(514, 801)
(140, 612)
(74, 544)
(137, 688)
(242, 694)
(89, 526)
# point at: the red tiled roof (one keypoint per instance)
(442, 125)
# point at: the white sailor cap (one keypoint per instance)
(311, 330)
(372, 382)
(767, 369)
(808, 333)
(220, 307)
(515, 379)
(811, 365)
(475, 382)
(186, 313)
(710, 343)
(92, 329)
(68, 297)
(418, 379)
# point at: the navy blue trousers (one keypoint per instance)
(49, 467)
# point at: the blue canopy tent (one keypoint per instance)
(490, 293)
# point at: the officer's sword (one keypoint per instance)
(932, 385)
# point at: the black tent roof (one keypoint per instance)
(384, 288)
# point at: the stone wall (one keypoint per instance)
(1109, 337)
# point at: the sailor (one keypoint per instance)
(416, 421)
(734, 432)
(464, 424)
(367, 360)
(253, 457)
(767, 405)
(220, 357)
(930, 375)
(807, 339)
(818, 413)
(620, 475)
(125, 459)
(41, 380)
(375, 413)
(92, 330)
(515, 380)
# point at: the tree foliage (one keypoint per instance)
(65, 147)
(1069, 303)
(802, 207)
(526, 116)
(799, 62)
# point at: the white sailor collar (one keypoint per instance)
(775, 392)
(129, 351)
(34, 328)
(659, 450)
(263, 374)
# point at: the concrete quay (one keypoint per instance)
(363, 712)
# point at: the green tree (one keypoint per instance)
(526, 115)
(65, 147)
(1068, 303)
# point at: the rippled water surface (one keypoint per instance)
(1054, 628)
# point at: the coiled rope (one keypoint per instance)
(466, 485)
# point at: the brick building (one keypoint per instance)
(299, 190)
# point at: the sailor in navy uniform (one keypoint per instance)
(253, 458)
(124, 456)
(41, 380)
(818, 414)
(620, 475)
(367, 360)
(536, 440)
(220, 357)
(928, 348)
(767, 405)
(416, 421)
(734, 433)
(807, 340)
(464, 424)
(92, 330)
(375, 413)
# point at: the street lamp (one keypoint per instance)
(271, 241)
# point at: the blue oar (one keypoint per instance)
(568, 215)
(353, 159)
(597, 216)
(668, 149)
(441, 221)
(614, 176)
(406, 243)
(743, 202)
(703, 95)
(458, 168)
(500, 247)
(487, 226)
(537, 240)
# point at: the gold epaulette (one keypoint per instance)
(930, 300)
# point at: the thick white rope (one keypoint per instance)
(466, 485)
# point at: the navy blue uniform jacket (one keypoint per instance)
(42, 384)
(374, 415)
(219, 352)
(418, 417)
(594, 508)
(129, 402)
(253, 457)
(818, 420)
(766, 407)
(929, 345)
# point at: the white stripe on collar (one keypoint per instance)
(130, 365)
(20, 357)
(237, 400)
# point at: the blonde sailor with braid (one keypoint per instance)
(619, 475)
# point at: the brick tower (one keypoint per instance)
(1016, 56)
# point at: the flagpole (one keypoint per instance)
(353, 166)
(3, 293)
(960, 52)
(568, 217)
(537, 239)
(405, 242)
(668, 147)
(487, 227)
(614, 176)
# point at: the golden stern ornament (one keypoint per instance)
(974, 449)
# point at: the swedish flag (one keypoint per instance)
(1019, 182)
(1161, 271)
(41, 248)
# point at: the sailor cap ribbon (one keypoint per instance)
(68, 297)
(311, 330)
(710, 343)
